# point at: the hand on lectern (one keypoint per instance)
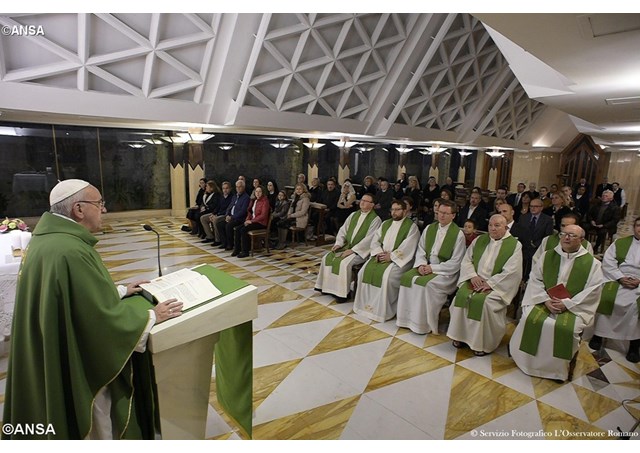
(134, 288)
(168, 309)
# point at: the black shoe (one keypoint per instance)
(185, 228)
(216, 244)
(243, 255)
(595, 343)
(341, 300)
(235, 253)
(633, 356)
(206, 240)
(222, 246)
(228, 249)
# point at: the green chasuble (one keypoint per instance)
(444, 254)
(352, 238)
(466, 296)
(373, 270)
(610, 289)
(565, 322)
(72, 336)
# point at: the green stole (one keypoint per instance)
(610, 289)
(466, 296)
(554, 240)
(350, 241)
(373, 270)
(565, 322)
(444, 254)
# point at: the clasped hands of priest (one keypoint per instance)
(480, 285)
(555, 305)
(425, 269)
(629, 282)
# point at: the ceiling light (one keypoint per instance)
(137, 145)
(175, 139)
(402, 149)
(195, 136)
(436, 149)
(225, 146)
(280, 145)
(313, 144)
(365, 148)
(153, 141)
(344, 143)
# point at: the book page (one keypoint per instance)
(187, 286)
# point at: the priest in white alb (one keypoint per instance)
(425, 288)
(392, 249)
(618, 314)
(352, 247)
(561, 299)
(490, 276)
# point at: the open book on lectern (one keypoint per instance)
(189, 287)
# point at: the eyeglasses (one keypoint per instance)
(569, 235)
(98, 204)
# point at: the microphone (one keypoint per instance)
(149, 228)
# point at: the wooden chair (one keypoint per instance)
(295, 234)
(260, 235)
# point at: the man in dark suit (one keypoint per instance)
(514, 199)
(539, 225)
(603, 219)
(532, 190)
(587, 187)
(474, 211)
(602, 187)
(519, 231)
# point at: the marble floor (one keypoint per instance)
(323, 372)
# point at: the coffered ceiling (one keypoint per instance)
(518, 81)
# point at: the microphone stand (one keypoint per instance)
(148, 228)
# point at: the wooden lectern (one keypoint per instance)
(182, 350)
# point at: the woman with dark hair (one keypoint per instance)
(525, 199)
(430, 192)
(272, 193)
(446, 194)
(210, 201)
(257, 219)
(193, 210)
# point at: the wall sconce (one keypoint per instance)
(175, 139)
(402, 149)
(365, 148)
(495, 153)
(313, 144)
(280, 145)
(153, 141)
(137, 145)
(464, 153)
(225, 146)
(436, 149)
(344, 143)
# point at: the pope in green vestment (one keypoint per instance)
(73, 338)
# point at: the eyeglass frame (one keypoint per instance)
(100, 203)
(569, 235)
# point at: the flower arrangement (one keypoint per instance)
(9, 225)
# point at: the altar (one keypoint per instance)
(12, 245)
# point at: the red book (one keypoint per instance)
(559, 292)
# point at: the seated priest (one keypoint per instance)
(618, 314)
(352, 247)
(392, 249)
(552, 241)
(560, 300)
(490, 276)
(425, 288)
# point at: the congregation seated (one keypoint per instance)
(383, 199)
(617, 315)
(280, 210)
(392, 249)
(490, 276)
(234, 216)
(209, 221)
(424, 288)
(346, 204)
(474, 211)
(352, 247)
(553, 316)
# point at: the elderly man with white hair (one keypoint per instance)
(560, 300)
(72, 364)
(489, 280)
